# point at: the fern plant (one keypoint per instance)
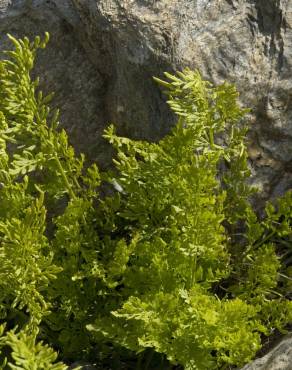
(39, 168)
(191, 292)
(156, 268)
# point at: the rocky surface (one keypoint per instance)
(279, 358)
(103, 54)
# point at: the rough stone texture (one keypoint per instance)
(64, 65)
(246, 42)
(279, 358)
(103, 53)
(88, 69)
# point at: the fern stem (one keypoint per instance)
(211, 137)
(63, 174)
(261, 242)
(194, 266)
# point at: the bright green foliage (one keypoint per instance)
(156, 267)
(28, 355)
(174, 203)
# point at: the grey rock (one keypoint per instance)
(64, 67)
(103, 54)
(279, 358)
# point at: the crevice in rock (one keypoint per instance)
(271, 24)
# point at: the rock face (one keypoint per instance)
(103, 54)
(95, 78)
(280, 358)
(245, 42)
